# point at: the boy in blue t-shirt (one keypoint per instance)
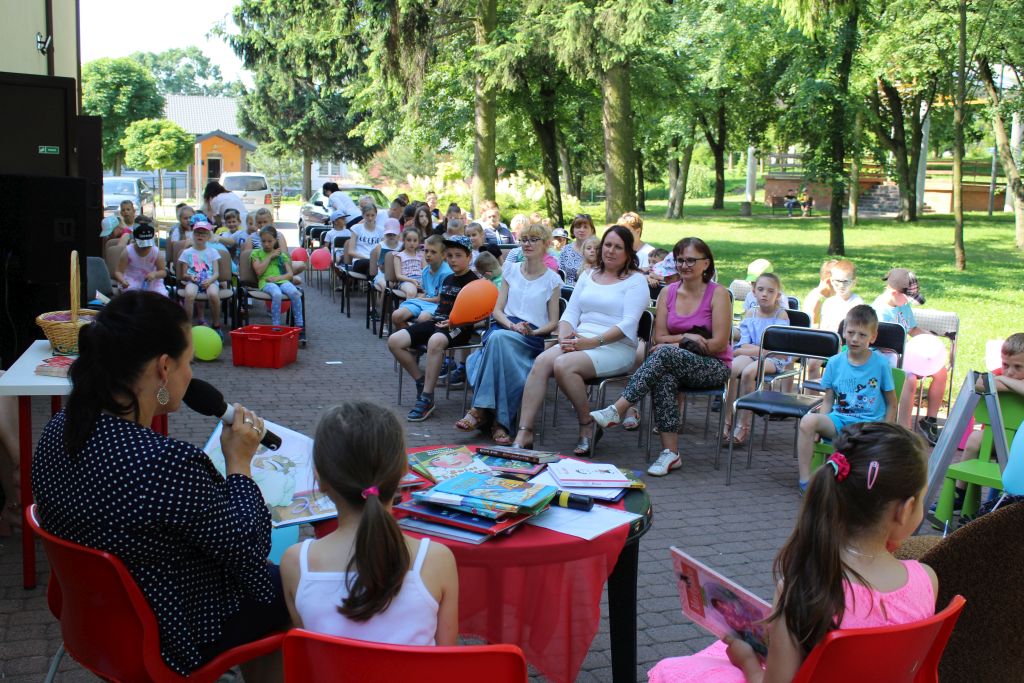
(858, 388)
(422, 307)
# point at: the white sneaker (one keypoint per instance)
(665, 463)
(606, 417)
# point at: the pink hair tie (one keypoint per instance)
(872, 473)
(370, 491)
(840, 465)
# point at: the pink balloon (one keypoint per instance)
(299, 254)
(925, 355)
(320, 259)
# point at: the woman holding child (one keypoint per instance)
(597, 335)
(526, 313)
(692, 336)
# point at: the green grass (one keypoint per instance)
(987, 296)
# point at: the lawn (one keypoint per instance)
(985, 296)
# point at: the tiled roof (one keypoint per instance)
(199, 115)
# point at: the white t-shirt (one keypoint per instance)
(602, 306)
(328, 240)
(365, 239)
(643, 255)
(225, 201)
(834, 310)
(340, 201)
(528, 299)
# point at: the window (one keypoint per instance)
(245, 183)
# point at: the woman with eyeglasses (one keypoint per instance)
(597, 336)
(571, 258)
(693, 350)
(525, 314)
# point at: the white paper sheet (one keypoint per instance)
(583, 524)
(597, 494)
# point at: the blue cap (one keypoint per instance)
(460, 241)
(336, 214)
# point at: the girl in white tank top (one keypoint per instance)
(367, 580)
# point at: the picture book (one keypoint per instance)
(525, 496)
(442, 464)
(719, 605)
(285, 477)
(524, 454)
(413, 480)
(463, 520)
(499, 464)
(475, 507)
(422, 526)
(568, 472)
(55, 366)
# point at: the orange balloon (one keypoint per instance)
(474, 303)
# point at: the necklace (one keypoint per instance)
(859, 554)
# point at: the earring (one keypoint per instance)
(163, 397)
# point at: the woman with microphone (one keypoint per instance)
(194, 541)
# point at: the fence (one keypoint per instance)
(975, 170)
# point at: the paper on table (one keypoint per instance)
(583, 524)
(546, 479)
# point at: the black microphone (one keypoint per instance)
(205, 399)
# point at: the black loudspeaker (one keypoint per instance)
(43, 220)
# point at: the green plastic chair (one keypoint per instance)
(824, 448)
(983, 470)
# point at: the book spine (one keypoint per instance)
(466, 502)
(484, 450)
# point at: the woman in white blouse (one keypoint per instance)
(597, 335)
(526, 313)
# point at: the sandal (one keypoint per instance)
(584, 446)
(519, 444)
(470, 422)
(740, 436)
(632, 420)
(500, 435)
(726, 434)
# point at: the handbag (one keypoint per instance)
(692, 346)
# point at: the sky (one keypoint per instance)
(117, 28)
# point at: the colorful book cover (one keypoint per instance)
(569, 472)
(422, 526)
(719, 605)
(55, 366)
(442, 464)
(413, 480)
(463, 520)
(524, 454)
(479, 510)
(511, 466)
(524, 495)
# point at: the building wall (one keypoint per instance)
(231, 155)
(20, 20)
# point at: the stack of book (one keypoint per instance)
(473, 507)
(444, 463)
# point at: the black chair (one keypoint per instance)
(316, 234)
(794, 303)
(783, 340)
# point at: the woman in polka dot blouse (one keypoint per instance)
(195, 542)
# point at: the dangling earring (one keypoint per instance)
(163, 397)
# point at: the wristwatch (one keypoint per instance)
(600, 340)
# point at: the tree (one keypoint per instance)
(121, 91)
(156, 145)
(187, 71)
(280, 164)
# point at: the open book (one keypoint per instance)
(717, 604)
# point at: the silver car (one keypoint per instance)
(117, 189)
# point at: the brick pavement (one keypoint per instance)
(736, 529)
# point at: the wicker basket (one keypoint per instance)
(61, 327)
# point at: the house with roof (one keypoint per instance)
(219, 146)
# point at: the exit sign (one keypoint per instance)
(49, 149)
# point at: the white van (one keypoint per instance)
(251, 187)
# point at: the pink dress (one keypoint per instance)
(865, 608)
(138, 267)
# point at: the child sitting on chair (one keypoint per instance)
(422, 307)
(858, 388)
(893, 306)
(142, 265)
(366, 579)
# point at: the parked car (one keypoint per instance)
(315, 212)
(251, 187)
(116, 189)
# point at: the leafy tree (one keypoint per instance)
(121, 91)
(280, 164)
(156, 145)
(187, 71)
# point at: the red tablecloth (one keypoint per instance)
(536, 588)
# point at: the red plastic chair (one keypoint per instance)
(317, 658)
(908, 653)
(106, 623)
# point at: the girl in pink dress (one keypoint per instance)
(865, 500)
(142, 265)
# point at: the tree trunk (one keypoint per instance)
(546, 132)
(672, 210)
(307, 176)
(641, 194)
(906, 153)
(837, 132)
(716, 137)
(617, 120)
(959, 100)
(160, 184)
(1005, 153)
(858, 129)
(485, 111)
(563, 153)
(117, 164)
(684, 178)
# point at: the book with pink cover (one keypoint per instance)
(719, 605)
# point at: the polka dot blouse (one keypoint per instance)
(194, 541)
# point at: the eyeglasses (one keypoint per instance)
(689, 262)
(842, 283)
(529, 240)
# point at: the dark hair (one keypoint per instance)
(582, 219)
(269, 230)
(408, 212)
(492, 249)
(403, 199)
(213, 188)
(701, 246)
(862, 314)
(358, 445)
(230, 211)
(811, 565)
(632, 262)
(422, 210)
(129, 332)
(330, 186)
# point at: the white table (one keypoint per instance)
(22, 381)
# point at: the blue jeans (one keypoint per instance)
(278, 290)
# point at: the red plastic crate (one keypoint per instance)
(264, 346)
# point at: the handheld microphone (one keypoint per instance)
(205, 399)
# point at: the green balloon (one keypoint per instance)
(206, 342)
